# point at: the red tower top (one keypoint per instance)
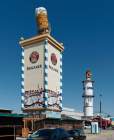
(88, 74)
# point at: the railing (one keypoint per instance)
(9, 132)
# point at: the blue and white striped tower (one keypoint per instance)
(41, 70)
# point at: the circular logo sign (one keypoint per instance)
(53, 59)
(34, 57)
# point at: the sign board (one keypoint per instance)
(42, 76)
(52, 114)
(53, 77)
(34, 76)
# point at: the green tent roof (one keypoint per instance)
(11, 115)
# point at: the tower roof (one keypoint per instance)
(88, 74)
(39, 38)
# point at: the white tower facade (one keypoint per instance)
(88, 95)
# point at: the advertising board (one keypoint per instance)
(34, 76)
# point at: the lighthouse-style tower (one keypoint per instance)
(88, 95)
(42, 70)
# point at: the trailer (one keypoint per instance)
(103, 122)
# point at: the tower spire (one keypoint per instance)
(88, 75)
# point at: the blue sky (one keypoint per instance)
(87, 30)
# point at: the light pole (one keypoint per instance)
(100, 111)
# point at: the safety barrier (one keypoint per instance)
(9, 132)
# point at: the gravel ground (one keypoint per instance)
(104, 135)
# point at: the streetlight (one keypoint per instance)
(100, 111)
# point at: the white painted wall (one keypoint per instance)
(88, 99)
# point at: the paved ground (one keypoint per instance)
(104, 135)
(18, 138)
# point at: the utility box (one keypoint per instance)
(94, 128)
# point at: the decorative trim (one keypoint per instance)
(22, 75)
(46, 71)
(22, 90)
(60, 84)
(60, 87)
(41, 109)
(22, 61)
(87, 81)
(22, 68)
(40, 38)
(22, 98)
(46, 58)
(46, 100)
(22, 106)
(46, 66)
(22, 53)
(88, 96)
(60, 98)
(46, 53)
(86, 106)
(46, 86)
(45, 82)
(22, 83)
(61, 57)
(46, 79)
(61, 106)
(61, 77)
(60, 71)
(46, 74)
(60, 95)
(60, 65)
(22, 80)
